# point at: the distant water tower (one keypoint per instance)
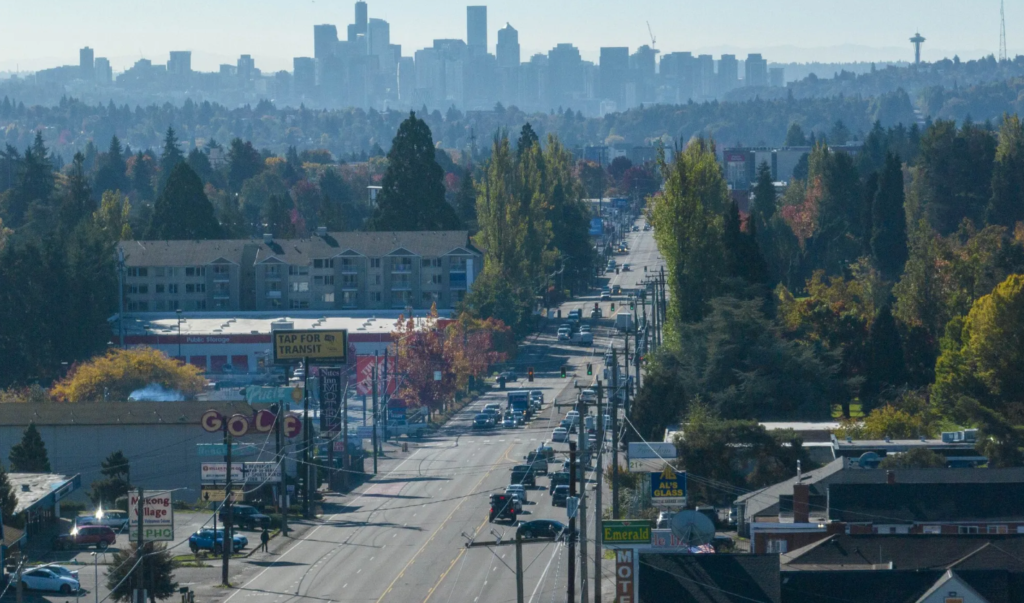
(917, 40)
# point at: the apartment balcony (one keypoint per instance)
(401, 269)
(401, 286)
(273, 295)
(221, 296)
(457, 280)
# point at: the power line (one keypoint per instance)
(1002, 33)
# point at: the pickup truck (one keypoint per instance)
(246, 516)
(583, 338)
(208, 540)
(413, 425)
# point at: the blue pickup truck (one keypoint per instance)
(207, 540)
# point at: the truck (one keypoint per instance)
(519, 402)
(623, 321)
(413, 424)
(583, 338)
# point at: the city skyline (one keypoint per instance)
(838, 34)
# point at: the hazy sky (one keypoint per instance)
(43, 33)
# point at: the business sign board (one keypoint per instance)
(668, 488)
(626, 531)
(249, 473)
(625, 575)
(364, 432)
(364, 376)
(330, 400)
(217, 494)
(157, 516)
(257, 394)
(596, 227)
(645, 457)
(319, 345)
(237, 449)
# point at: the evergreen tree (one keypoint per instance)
(157, 566)
(795, 136)
(743, 257)
(889, 233)
(170, 157)
(112, 175)
(35, 183)
(412, 191)
(116, 471)
(466, 200)
(77, 203)
(183, 212)
(244, 162)
(29, 455)
(1007, 205)
(867, 217)
(765, 202)
(886, 365)
(200, 164)
(142, 176)
(8, 500)
(277, 216)
(527, 138)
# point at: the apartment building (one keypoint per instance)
(328, 271)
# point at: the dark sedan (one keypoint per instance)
(541, 529)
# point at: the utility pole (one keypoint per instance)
(571, 589)
(385, 397)
(615, 433)
(307, 439)
(664, 307)
(519, 567)
(229, 541)
(583, 500)
(140, 592)
(597, 496)
(376, 418)
(282, 501)
(344, 438)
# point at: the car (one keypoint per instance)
(647, 227)
(493, 414)
(482, 421)
(207, 539)
(560, 434)
(636, 228)
(539, 461)
(60, 570)
(547, 451)
(541, 529)
(616, 289)
(625, 268)
(584, 328)
(519, 491)
(518, 419)
(508, 422)
(589, 396)
(517, 503)
(509, 375)
(564, 335)
(99, 536)
(44, 578)
(523, 474)
(606, 295)
(559, 496)
(723, 544)
(112, 519)
(558, 479)
(492, 405)
(502, 507)
(246, 516)
(595, 313)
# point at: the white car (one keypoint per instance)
(42, 578)
(519, 491)
(564, 335)
(114, 519)
(589, 396)
(560, 434)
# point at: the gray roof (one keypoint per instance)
(760, 502)
(299, 252)
(115, 413)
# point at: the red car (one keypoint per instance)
(85, 536)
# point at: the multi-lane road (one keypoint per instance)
(401, 537)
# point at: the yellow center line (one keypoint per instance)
(439, 528)
(430, 593)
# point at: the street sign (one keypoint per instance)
(318, 345)
(237, 449)
(572, 505)
(330, 400)
(668, 488)
(249, 473)
(255, 394)
(157, 513)
(364, 432)
(644, 457)
(626, 531)
(216, 493)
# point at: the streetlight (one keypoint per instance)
(96, 576)
(179, 331)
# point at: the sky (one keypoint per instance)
(36, 34)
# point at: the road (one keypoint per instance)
(401, 537)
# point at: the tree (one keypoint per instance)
(957, 166)
(111, 219)
(743, 258)
(795, 136)
(117, 374)
(1007, 205)
(618, 168)
(277, 216)
(170, 157)
(29, 455)
(889, 221)
(466, 200)
(412, 191)
(244, 162)
(35, 183)
(885, 364)
(141, 171)
(200, 164)
(915, 458)
(157, 566)
(116, 471)
(112, 174)
(8, 500)
(77, 203)
(183, 211)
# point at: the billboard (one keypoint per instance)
(596, 227)
(317, 345)
(250, 473)
(330, 400)
(157, 516)
(364, 376)
(644, 457)
(668, 488)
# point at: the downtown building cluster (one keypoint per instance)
(359, 66)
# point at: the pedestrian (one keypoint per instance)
(264, 539)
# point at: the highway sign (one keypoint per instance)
(668, 488)
(319, 345)
(644, 457)
(626, 531)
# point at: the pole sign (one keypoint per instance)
(237, 449)
(318, 345)
(625, 575)
(217, 494)
(645, 457)
(256, 394)
(330, 401)
(158, 516)
(249, 473)
(239, 425)
(626, 531)
(668, 488)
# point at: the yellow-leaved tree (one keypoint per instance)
(120, 372)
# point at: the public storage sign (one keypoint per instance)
(626, 531)
(319, 344)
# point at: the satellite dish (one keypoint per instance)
(869, 460)
(692, 528)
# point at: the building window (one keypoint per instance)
(350, 281)
(967, 530)
(273, 271)
(401, 281)
(159, 289)
(318, 264)
(298, 270)
(376, 279)
(400, 299)
(172, 288)
(323, 280)
(431, 297)
(435, 279)
(138, 306)
(173, 304)
(376, 296)
(327, 298)
(932, 529)
(274, 287)
(457, 264)
(299, 304)
(138, 289)
(138, 272)
(274, 303)
(997, 530)
(349, 299)
(778, 546)
(375, 263)
(195, 288)
(195, 271)
(300, 286)
(221, 270)
(348, 264)
(401, 265)
(199, 304)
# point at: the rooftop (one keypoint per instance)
(30, 488)
(115, 413)
(910, 552)
(709, 578)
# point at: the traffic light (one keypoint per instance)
(590, 369)
(632, 305)
(529, 373)
(563, 371)
(613, 306)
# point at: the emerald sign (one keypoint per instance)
(626, 531)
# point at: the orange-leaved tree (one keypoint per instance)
(118, 373)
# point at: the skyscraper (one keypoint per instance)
(756, 71)
(104, 74)
(613, 72)
(304, 78)
(476, 29)
(728, 73)
(180, 62)
(508, 47)
(246, 69)
(325, 37)
(85, 64)
(359, 27)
